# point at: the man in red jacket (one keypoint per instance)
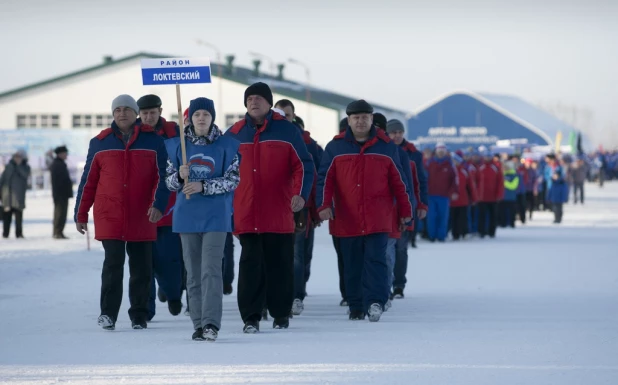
(466, 196)
(167, 252)
(276, 177)
(443, 186)
(361, 178)
(490, 188)
(125, 176)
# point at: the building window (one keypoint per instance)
(110, 120)
(44, 121)
(99, 121)
(55, 121)
(32, 121)
(21, 121)
(231, 119)
(87, 120)
(77, 121)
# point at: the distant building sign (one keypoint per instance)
(457, 135)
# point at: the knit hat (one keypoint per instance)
(61, 149)
(261, 89)
(379, 120)
(201, 104)
(359, 107)
(149, 101)
(393, 126)
(125, 101)
(343, 124)
(279, 111)
(440, 145)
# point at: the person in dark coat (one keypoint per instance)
(13, 186)
(62, 190)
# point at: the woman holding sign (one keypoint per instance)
(203, 211)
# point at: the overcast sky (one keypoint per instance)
(401, 53)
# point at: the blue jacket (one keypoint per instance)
(559, 191)
(408, 179)
(511, 185)
(203, 213)
(417, 157)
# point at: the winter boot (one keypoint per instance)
(106, 323)
(397, 293)
(375, 312)
(139, 324)
(211, 332)
(198, 335)
(174, 306)
(281, 323)
(357, 315)
(251, 327)
(227, 289)
(298, 306)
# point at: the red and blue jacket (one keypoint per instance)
(274, 166)
(123, 182)
(467, 194)
(489, 182)
(443, 177)
(418, 173)
(361, 183)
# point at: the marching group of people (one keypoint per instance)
(174, 201)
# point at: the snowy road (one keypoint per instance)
(536, 305)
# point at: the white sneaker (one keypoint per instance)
(388, 305)
(210, 334)
(375, 312)
(106, 323)
(298, 307)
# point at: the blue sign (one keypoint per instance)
(175, 71)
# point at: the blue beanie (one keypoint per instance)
(202, 104)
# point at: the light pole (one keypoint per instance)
(219, 75)
(270, 61)
(307, 86)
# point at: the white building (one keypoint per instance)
(81, 100)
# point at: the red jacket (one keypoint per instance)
(123, 182)
(442, 177)
(362, 184)
(467, 189)
(167, 130)
(489, 182)
(274, 166)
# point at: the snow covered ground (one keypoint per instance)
(536, 305)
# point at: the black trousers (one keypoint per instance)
(459, 221)
(140, 270)
(530, 203)
(578, 187)
(521, 207)
(557, 212)
(266, 275)
(7, 217)
(61, 207)
(487, 218)
(506, 213)
(337, 244)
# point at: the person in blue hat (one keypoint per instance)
(203, 211)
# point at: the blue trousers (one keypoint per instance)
(228, 260)
(401, 260)
(303, 253)
(365, 270)
(437, 217)
(167, 267)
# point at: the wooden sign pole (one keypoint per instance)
(181, 124)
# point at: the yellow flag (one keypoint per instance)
(558, 140)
